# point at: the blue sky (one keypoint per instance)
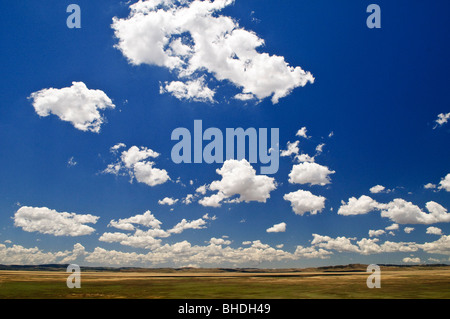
(379, 91)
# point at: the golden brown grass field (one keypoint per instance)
(396, 282)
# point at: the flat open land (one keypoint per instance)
(416, 283)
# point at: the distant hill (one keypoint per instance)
(337, 268)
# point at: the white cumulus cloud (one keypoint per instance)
(135, 163)
(239, 178)
(292, 148)
(310, 173)
(195, 90)
(358, 206)
(147, 219)
(319, 148)
(277, 228)
(19, 255)
(377, 189)
(76, 104)
(411, 260)
(302, 132)
(202, 189)
(184, 224)
(219, 241)
(398, 210)
(304, 201)
(49, 221)
(392, 227)
(445, 183)
(440, 246)
(304, 158)
(429, 186)
(403, 212)
(193, 40)
(434, 230)
(442, 119)
(148, 239)
(167, 201)
(376, 233)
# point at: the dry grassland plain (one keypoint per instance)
(396, 283)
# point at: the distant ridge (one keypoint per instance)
(336, 268)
